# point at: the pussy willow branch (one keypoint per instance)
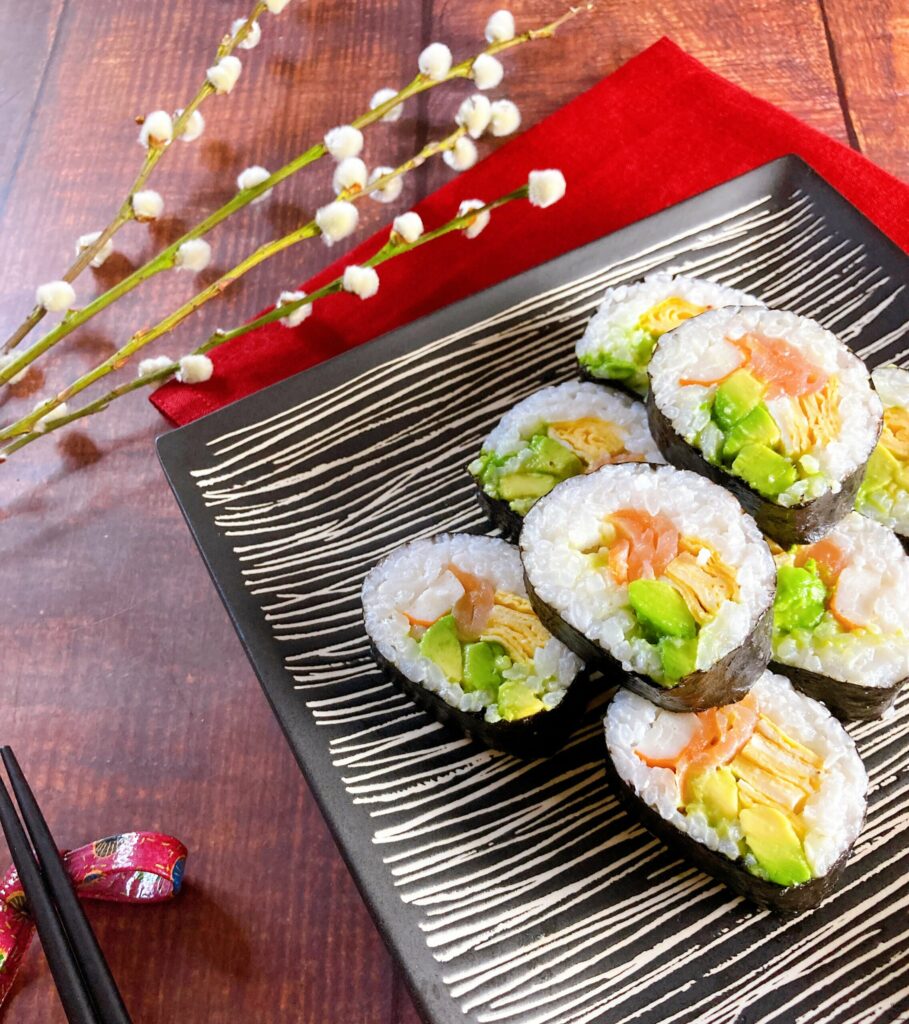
(393, 248)
(167, 257)
(152, 157)
(147, 335)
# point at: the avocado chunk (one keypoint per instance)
(776, 847)
(735, 398)
(679, 657)
(766, 471)
(440, 644)
(518, 485)
(716, 793)
(661, 609)
(801, 597)
(758, 427)
(518, 701)
(480, 670)
(881, 474)
(550, 456)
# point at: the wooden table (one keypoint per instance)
(123, 687)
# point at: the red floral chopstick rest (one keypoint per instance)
(135, 867)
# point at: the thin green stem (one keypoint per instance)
(153, 155)
(167, 257)
(391, 250)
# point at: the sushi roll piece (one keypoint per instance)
(449, 622)
(619, 340)
(884, 494)
(553, 434)
(841, 618)
(656, 573)
(767, 794)
(772, 406)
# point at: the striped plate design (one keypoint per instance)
(519, 892)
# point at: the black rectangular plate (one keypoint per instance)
(514, 892)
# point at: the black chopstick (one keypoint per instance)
(74, 995)
(101, 988)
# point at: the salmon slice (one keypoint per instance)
(723, 733)
(644, 545)
(830, 558)
(472, 609)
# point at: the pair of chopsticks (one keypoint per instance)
(86, 987)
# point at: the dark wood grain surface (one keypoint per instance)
(123, 687)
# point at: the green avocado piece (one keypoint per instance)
(480, 671)
(758, 427)
(801, 597)
(679, 657)
(882, 471)
(775, 845)
(440, 644)
(550, 456)
(518, 701)
(517, 485)
(716, 792)
(661, 609)
(735, 398)
(766, 471)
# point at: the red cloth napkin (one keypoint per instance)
(658, 130)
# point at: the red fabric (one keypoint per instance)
(658, 130)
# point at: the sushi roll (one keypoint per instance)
(620, 338)
(767, 794)
(884, 494)
(658, 573)
(841, 618)
(772, 406)
(553, 434)
(449, 622)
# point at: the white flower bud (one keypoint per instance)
(362, 281)
(462, 155)
(87, 241)
(195, 370)
(383, 96)
(194, 255)
(545, 188)
(51, 417)
(474, 114)
(337, 220)
(7, 359)
(435, 61)
(487, 72)
(351, 174)
(154, 365)
(298, 315)
(147, 205)
(253, 36)
(391, 190)
(157, 129)
(500, 27)
(223, 76)
(344, 141)
(506, 118)
(276, 6)
(479, 222)
(252, 177)
(55, 296)
(408, 226)
(195, 125)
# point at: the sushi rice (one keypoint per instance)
(621, 335)
(884, 494)
(825, 809)
(842, 605)
(558, 432)
(816, 450)
(415, 584)
(562, 546)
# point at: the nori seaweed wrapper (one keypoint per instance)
(787, 901)
(609, 382)
(501, 514)
(848, 701)
(538, 735)
(725, 682)
(799, 524)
